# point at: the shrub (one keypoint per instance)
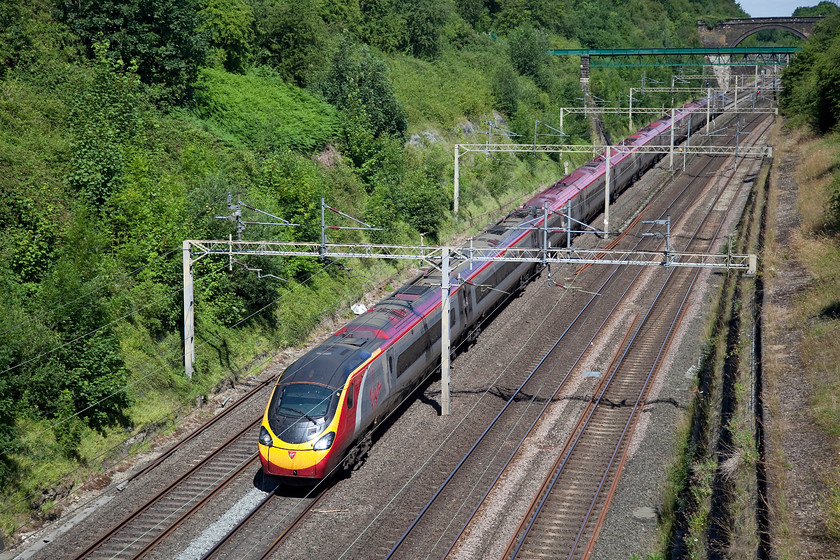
(292, 36)
(356, 83)
(105, 117)
(160, 36)
(263, 112)
(229, 27)
(506, 89)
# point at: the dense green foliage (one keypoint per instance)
(125, 124)
(824, 8)
(260, 111)
(160, 36)
(811, 91)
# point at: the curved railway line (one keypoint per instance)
(435, 522)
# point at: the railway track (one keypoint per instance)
(144, 528)
(266, 526)
(139, 533)
(432, 529)
(566, 515)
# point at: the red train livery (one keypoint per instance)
(327, 402)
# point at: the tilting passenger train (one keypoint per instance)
(329, 400)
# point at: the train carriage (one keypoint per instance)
(332, 397)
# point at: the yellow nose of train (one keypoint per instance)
(300, 460)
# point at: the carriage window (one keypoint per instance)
(350, 392)
(412, 354)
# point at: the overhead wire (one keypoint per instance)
(96, 330)
(143, 378)
(454, 430)
(164, 355)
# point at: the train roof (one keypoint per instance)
(392, 317)
(329, 364)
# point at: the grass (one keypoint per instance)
(725, 377)
(817, 309)
(813, 314)
(442, 92)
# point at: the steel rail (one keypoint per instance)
(630, 286)
(186, 515)
(463, 528)
(161, 494)
(630, 422)
(198, 431)
(475, 445)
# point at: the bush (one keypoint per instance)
(812, 80)
(359, 84)
(292, 36)
(833, 210)
(160, 36)
(263, 112)
(425, 20)
(506, 89)
(383, 26)
(229, 27)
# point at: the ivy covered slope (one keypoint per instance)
(124, 124)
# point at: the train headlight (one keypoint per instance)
(265, 437)
(325, 442)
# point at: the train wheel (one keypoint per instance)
(357, 455)
(474, 332)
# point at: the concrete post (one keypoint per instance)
(455, 194)
(445, 343)
(607, 192)
(671, 156)
(708, 107)
(189, 310)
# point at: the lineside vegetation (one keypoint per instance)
(124, 124)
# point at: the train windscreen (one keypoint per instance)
(305, 399)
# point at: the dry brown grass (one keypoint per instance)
(814, 175)
(775, 318)
(816, 314)
(819, 309)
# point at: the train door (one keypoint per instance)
(466, 304)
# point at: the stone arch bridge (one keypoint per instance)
(731, 32)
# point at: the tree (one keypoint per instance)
(356, 82)
(824, 8)
(474, 12)
(424, 25)
(293, 37)
(161, 36)
(528, 49)
(812, 80)
(104, 118)
(229, 27)
(506, 89)
(512, 14)
(383, 26)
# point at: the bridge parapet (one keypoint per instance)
(731, 32)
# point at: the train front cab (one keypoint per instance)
(297, 435)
